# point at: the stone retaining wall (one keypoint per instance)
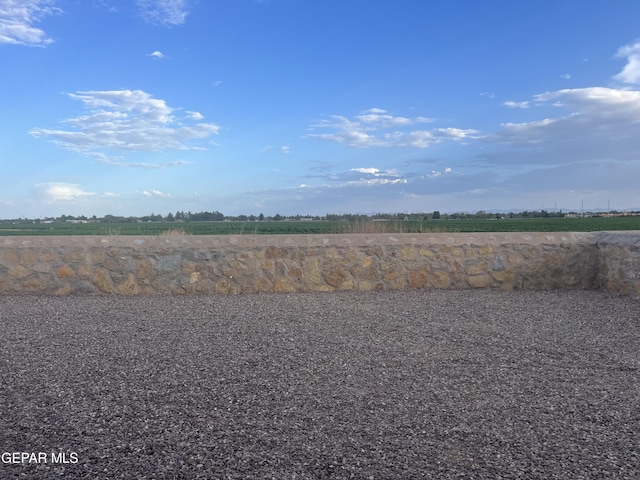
(619, 267)
(297, 263)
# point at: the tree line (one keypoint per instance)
(216, 216)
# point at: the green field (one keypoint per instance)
(324, 227)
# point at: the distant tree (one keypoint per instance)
(436, 215)
(277, 217)
(261, 217)
(170, 217)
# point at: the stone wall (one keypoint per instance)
(619, 268)
(323, 263)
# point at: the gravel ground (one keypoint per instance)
(410, 384)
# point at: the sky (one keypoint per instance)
(133, 107)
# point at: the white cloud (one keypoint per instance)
(512, 104)
(374, 110)
(156, 54)
(194, 115)
(371, 128)
(364, 176)
(17, 19)
(126, 121)
(164, 12)
(566, 76)
(453, 133)
(376, 118)
(608, 103)
(631, 72)
(371, 171)
(156, 193)
(600, 123)
(54, 192)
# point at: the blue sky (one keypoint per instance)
(132, 107)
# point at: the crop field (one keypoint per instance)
(324, 227)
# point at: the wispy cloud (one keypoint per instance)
(119, 162)
(105, 5)
(512, 104)
(373, 176)
(359, 176)
(157, 55)
(53, 192)
(377, 128)
(438, 173)
(126, 121)
(164, 12)
(18, 19)
(156, 193)
(283, 149)
(631, 71)
(194, 115)
(365, 189)
(599, 123)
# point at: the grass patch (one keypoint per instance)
(325, 227)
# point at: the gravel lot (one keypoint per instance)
(409, 384)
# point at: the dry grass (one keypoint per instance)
(174, 231)
(390, 226)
